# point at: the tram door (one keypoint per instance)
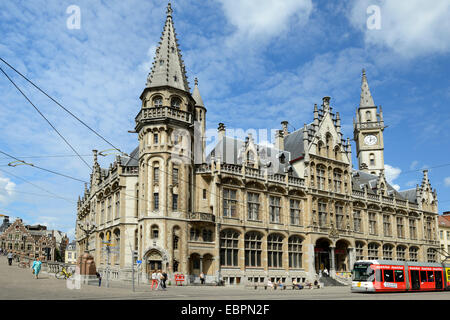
(438, 279)
(415, 281)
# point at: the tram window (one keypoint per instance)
(423, 276)
(399, 276)
(430, 276)
(378, 277)
(388, 275)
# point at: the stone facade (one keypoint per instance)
(444, 235)
(246, 213)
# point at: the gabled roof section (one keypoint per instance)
(361, 180)
(230, 151)
(168, 67)
(366, 97)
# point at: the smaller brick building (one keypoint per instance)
(28, 241)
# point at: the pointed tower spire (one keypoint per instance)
(196, 95)
(168, 67)
(366, 97)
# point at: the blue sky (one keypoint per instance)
(258, 62)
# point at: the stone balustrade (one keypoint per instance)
(157, 113)
(201, 216)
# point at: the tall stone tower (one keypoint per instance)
(165, 126)
(368, 132)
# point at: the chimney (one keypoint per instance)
(284, 125)
(279, 140)
(221, 131)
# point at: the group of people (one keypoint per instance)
(159, 278)
(35, 267)
(295, 284)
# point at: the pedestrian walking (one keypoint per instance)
(99, 276)
(10, 258)
(202, 278)
(159, 277)
(164, 274)
(36, 267)
(154, 280)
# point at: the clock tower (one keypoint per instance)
(368, 132)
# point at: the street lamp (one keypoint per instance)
(88, 229)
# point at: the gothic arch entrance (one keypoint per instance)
(322, 257)
(153, 260)
(342, 256)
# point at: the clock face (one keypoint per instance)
(370, 140)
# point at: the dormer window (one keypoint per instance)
(157, 101)
(175, 102)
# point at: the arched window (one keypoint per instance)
(413, 254)
(320, 173)
(195, 234)
(157, 101)
(155, 232)
(372, 250)
(401, 253)
(229, 248)
(275, 251)
(295, 252)
(387, 252)
(359, 251)
(431, 255)
(175, 102)
(253, 249)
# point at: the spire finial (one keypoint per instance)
(196, 81)
(364, 72)
(169, 10)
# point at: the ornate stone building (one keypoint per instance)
(246, 212)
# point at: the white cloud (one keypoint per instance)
(392, 173)
(6, 190)
(408, 27)
(447, 182)
(265, 18)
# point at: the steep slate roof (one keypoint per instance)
(293, 142)
(366, 99)
(229, 150)
(410, 195)
(131, 161)
(196, 95)
(168, 67)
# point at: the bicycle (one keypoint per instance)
(24, 264)
(63, 274)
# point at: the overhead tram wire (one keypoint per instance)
(44, 169)
(36, 186)
(60, 105)
(42, 115)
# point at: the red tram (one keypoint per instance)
(398, 276)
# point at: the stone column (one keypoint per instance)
(201, 264)
(332, 263)
(351, 257)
